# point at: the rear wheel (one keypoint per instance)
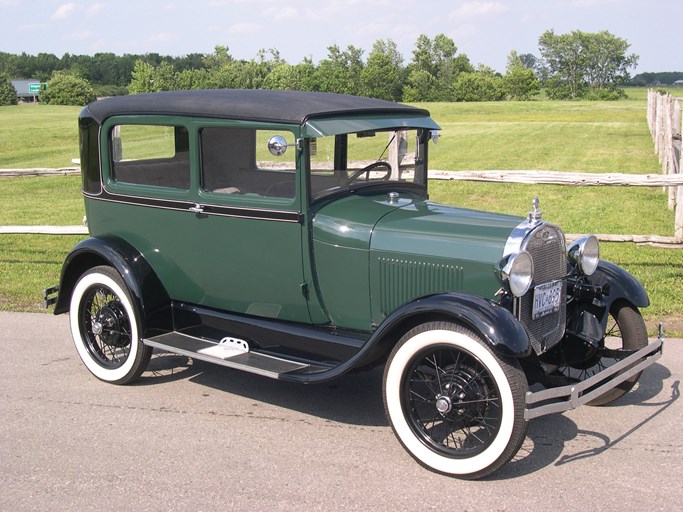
(105, 327)
(625, 332)
(454, 405)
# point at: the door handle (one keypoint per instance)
(197, 208)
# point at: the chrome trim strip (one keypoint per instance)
(570, 397)
(213, 210)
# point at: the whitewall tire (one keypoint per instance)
(105, 327)
(454, 405)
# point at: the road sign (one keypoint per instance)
(34, 87)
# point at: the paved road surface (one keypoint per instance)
(192, 436)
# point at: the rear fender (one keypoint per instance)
(146, 290)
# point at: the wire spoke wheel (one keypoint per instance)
(454, 405)
(105, 327)
(452, 402)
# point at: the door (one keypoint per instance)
(248, 237)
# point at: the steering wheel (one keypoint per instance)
(368, 169)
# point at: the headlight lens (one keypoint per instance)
(518, 272)
(585, 253)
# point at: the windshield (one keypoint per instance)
(355, 160)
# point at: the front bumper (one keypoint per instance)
(566, 398)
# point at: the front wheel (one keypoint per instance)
(454, 405)
(105, 327)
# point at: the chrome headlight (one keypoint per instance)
(585, 254)
(518, 272)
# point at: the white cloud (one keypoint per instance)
(64, 11)
(478, 9)
(95, 9)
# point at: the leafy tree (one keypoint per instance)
(193, 79)
(341, 71)
(383, 75)
(165, 78)
(482, 85)
(421, 86)
(64, 88)
(142, 78)
(581, 63)
(287, 77)
(8, 94)
(520, 82)
(434, 69)
(219, 58)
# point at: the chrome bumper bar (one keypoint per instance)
(566, 398)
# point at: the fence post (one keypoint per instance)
(678, 168)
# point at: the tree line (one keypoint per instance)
(569, 66)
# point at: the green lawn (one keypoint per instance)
(38, 136)
(542, 135)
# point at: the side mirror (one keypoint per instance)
(277, 145)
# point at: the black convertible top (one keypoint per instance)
(291, 107)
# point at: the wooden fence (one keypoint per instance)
(664, 121)
(525, 177)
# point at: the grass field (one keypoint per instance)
(542, 135)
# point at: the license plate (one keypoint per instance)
(547, 298)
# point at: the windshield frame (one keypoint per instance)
(417, 185)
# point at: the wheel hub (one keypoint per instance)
(108, 328)
(443, 404)
(460, 397)
(96, 328)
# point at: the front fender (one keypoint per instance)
(617, 284)
(496, 325)
(145, 288)
(622, 284)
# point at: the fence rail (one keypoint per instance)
(39, 171)
(518, 176)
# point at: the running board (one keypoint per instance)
(231, 353)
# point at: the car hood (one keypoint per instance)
(412, 225)
(433, 230)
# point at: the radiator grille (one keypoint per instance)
(547, 248)
(403, 280)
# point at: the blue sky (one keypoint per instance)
(486, 30)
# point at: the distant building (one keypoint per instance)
(25, 92)
(678, 83)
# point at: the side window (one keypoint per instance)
(151, 155)
(237, 161)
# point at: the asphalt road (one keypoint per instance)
(192, 436)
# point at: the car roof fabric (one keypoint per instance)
(289, 107)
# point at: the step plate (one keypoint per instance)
(197, 348)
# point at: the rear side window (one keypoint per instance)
(237, 161)
(151, 155)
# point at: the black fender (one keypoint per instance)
(146, 289)
(617, 284)
(497, 326)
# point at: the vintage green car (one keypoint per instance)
(290, 234)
